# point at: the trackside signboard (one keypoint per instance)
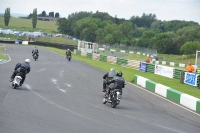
(191, 78)
(143, 66)
(164, 71)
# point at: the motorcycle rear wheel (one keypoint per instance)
(14, 86)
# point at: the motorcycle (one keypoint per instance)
(114, 97)
(16, 82)
(35, 57)
(69, 58)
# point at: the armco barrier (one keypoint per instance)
(150, 68)
(95, 56)
(78, 52)
(89, 55)
(169, 63)
(186, 100)
(103, 58)
(112, 59)
(122, 62)
(134, 64)
(177, 73)
(83, 53)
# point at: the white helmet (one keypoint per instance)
(27, 61)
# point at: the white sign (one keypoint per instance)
(102, 49)
(112, 50)
(164, 71)
(25, 42)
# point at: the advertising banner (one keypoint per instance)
(25, 42)
(164, 71)
(143, 66)
(191, 78)
(16, 42)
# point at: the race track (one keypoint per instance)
(65, 97)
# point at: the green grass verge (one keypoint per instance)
(26, 24)
(3, 56)
(59, 40)
(1, 45)
(2, 48)
(129, 73)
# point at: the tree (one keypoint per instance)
(190, 47)
(163, 43)
(51, 14)
(57, 15)
(30, 15)
(34, 18)
(145, 40)
(43, 14)
(144, 21)
(7, 16)
(100, 35)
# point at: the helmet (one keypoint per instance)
(68, 49)
(27, 61)
(119, 74)
(111, 73)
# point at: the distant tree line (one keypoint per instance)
(44, 14)
(144, 31)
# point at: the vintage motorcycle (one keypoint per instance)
(16, 82)
(114, 97)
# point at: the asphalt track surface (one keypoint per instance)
(65, 97)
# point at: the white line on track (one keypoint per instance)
(68, 85)
(7, 60)
(146, 91)
(68, 110)
(41, 70)
(54, 81)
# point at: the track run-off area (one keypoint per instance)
(59, 96)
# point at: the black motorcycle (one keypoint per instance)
(35, 57)
(114, 97)
(69, 58)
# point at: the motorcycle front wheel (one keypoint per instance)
(113, 104)
(104, 100)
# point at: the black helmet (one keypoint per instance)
(119, 74)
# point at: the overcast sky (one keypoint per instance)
(188, 10)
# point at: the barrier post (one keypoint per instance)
(182, 77)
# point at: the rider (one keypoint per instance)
(35, 51)
(108, 76)
(68, 53)
(21, 69)
(118, 81)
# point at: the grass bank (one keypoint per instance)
(2, 48)
(59, 40)
(3, 57)
(129, 73)
(26, 24)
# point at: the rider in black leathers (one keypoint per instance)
(35, 51)
(108, 76)
(21, 69)
(68, 53)
(118, 81)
